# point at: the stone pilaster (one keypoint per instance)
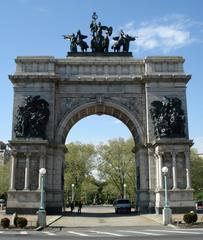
(13, 169)
(160, 165)
(41, 165)
(174, 170)
(27, 172)
(188, 177)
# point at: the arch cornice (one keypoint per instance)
(100, 106)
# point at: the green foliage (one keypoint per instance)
(117, 166)
(21, 222)
(109, 193)
(5, 222)
(89, 190)
(190, 217)
(196, 174)
(4, 179)
(79, 163)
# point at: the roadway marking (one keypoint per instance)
(108, 233)
(23, 232)
(77, 233)
(50, 233)
(191, 229)
(144, 233)
(174, 231)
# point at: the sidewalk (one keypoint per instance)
(32, 219)
(105, 216)
(99, 216)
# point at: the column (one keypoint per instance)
(27, 172)
(174, 170)
(41, 165)
(188, 178)
(157, 171)
(13, 169)
(160, 163)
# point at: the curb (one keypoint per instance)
(40, 228)
(54, 220)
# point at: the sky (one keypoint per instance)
(165, 28)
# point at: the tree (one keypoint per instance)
(197, 173)
(4, 179)
(79, 162)
(117, 165)
(89, 190)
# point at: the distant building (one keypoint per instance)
(200, 155)
(4, 153)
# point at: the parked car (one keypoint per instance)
(122, 206)
(199, 205)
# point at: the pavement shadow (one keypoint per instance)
(98, 215)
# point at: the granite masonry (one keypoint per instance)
(114, 84)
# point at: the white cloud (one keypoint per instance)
(165, 33)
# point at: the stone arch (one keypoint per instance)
(85, 84)
(108, 108)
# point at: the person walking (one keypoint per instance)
(79, 207)
(71, 207)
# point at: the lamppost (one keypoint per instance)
(73, 192)
(41, 212)
(167, 214)
(124, 186)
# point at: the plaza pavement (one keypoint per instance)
(98, 216)
(105, 216)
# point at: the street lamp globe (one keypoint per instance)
(42, 171)
(164, 170)
(124, 185)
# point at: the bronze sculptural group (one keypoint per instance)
(123, 40)
(32, 117)
(75, 40)
(100, 39)
(168, 118)
(99, 43)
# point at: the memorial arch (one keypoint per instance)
(148, 95)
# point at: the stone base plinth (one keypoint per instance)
(179, 200)
(28, 202)
(23, 202)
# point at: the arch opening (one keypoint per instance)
(108, 108)
(86, 196)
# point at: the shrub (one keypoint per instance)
(190, 217)
(5, 222)
(21, 222)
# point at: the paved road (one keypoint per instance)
(105, 233)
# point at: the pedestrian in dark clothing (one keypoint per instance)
(79, 207)
(71, 207)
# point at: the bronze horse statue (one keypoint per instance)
(100, 44)
(123, 40)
